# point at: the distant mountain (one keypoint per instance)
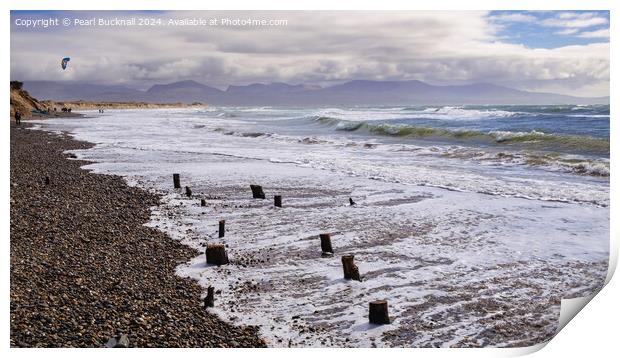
(184, 91)
(352, 93)
(385, 92)
(258, 89)
(68, 91)
(259, 94)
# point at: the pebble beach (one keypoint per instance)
(85, 269)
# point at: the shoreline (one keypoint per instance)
(92, 105)
(84, 268)
(415, 257)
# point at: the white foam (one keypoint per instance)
(501, 136)
(412, 239)
(439, 113)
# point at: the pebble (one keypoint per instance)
(83, 266)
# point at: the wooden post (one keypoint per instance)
(257, 192)
(326, 243)
(177, 181)
(47, 180)
(378, 312)
(210, 297)
(188, 191)
(203, 202)
(351, 271)
(277, 200)
(216, 254)
(222, 228)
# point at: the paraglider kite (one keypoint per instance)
(64, 63)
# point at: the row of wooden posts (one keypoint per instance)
(216, 254)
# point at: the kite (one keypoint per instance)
(64, 63)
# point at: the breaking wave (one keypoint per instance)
(532, 138)
(554, 161)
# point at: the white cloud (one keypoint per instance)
(575, 20)
(576, 15)
(603, 33)
(514, 17)
(567, 32)
(573, 23)
(315, 47)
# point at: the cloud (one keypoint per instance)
(603, 33)
(575, 20)
(315, 47)
(576, 24)
(575, 15)
(567, 31)
(514, 17)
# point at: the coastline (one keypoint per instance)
(278, 281)
(92, 105)
(84, 268)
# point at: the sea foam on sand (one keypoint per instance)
(458, 267)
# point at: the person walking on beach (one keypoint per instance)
(18, 118)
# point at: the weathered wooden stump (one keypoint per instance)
(47, 180)
(222, 228)
(203, 202)
(277, 200)
(351, 202)
(326, 243)
(176, 178)
(209, 300)
(378, 312)
(188, 191)
(257, 192)
(216, 254)
(351, 271)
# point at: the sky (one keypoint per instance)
(563, 52)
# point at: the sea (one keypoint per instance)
(473, 222)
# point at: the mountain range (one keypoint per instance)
(352, 93)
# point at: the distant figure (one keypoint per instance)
(18, 118)
(351, 202)
(69, 110)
